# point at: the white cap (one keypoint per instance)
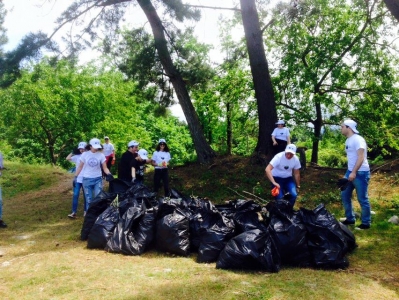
(106, 138)
(352, 125)
(95, 143)
(162, 141)
(143, 153)
(291, 148)
(82, 145)
(280, 122)
(132, 144)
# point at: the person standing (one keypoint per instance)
(283, 171)
(77, 181)
(280, 137)
(160, 159)
(124, 167)
(358, 174)
(90, 165)
(138, 166)
(2, 223)
(109, 152)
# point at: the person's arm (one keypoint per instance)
(105, 168)
(288, 137)
(133, 174)
(269, 175)
(297, 177)
(79, 169)
(274, 140)
(69, 157)
(358, 164)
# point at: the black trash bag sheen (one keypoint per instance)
(103, 228)
(172, 233)
(216, 230)
(99, 204)
(289, 235)
(250, 250)
(246, 217)
(326, 240)
(134, 232)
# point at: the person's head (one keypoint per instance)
(348, 128)
(143, 154)
(133, 146)
(162, 146)
(290, 151)
(82, 146)
(106, 139)
(95, 145)
(280, 123)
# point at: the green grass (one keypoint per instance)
(43, 258)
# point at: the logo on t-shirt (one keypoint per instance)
(92, 162)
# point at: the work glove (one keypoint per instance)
(74, 181)
(109, 177)
(342, 183)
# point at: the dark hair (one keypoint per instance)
(158, 148)
(88, 147)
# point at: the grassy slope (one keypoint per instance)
(43, 258)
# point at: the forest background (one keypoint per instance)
(327, 60)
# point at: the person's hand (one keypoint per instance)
(109, 177)
(113, 161)
(276, 191)
(274, 143)
(352, 176)
(164, 164)
(133, 180)
(74, 180)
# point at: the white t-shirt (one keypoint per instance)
(76, 160)
(159, 157)
(92, 164)
(281, 133)
(282, 166)
(108, 148)
(352, 144)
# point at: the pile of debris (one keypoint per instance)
(241, 234)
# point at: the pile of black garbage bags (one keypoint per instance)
(241, 234)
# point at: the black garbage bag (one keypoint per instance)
(216, 230)
(326, 240)
(118, 186)
(99, 204)
(172, 232)
(250, 250)
(134, 231)
(247, 217)
(349, 236)
(289, 235)
(103, 228)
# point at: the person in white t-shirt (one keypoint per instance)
(280, 137)
(90, 165)
(77, 181)
(160, 160)
(283, 171)
(109, 152)
(358, 174)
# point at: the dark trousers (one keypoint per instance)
(161, 175)
(280, 147)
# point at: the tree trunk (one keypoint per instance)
(229, 129)
(393, 6)
(205, 153)
(264, 93)
(317, 133)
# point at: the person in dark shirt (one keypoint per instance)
(124, 167)
(138, 166)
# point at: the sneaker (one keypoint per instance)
(346, 222)
(2, 224)
(362, 227)
(72, 216)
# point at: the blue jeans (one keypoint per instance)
(1, 205)
(287, 185)
(361, 184)
(75, 200)
(91, 188)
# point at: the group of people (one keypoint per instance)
(283, 171)
(94, 160)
